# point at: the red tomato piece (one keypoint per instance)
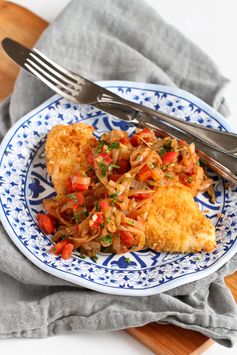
(127, 238)
(106, 158)
(67, 251)
(103, 205)
(58, 247)
(76, 200)
(115, 177)
(145, 173)
(169, 157)
(125, 140)
(80, 183)
(96, 219)
(139, 197)
(46, 223)
(124, 166)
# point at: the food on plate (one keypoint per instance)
(175, 223)
(121, 193)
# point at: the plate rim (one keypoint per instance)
(71, 277)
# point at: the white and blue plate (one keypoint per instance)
(24, 183)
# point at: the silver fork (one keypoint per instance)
(78, 89)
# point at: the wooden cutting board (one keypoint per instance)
(25, 27)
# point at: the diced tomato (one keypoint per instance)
(67, 251)
(103, 205)
(124, 166)
(46, 223)
(139, 197)
(135, 141)
(58, 247)
(106, 158)
(169, 157)
(76, 200)
(145, 173)
(127, 238)
(125, 140)
(91, 159)
(115, 177)
(80, 183)
(96, 219)
(69, 185)
(145, 134)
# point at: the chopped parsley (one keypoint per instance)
(104, 249)
(107, 239)
(73, 196)
(151, 165)
(94, 258)
(108, 220)
(190, 179)
(97, 206)
(114, 198)
(114, 145)
(103, 169)
(85, 213)
(169, 175)
(113, 166)
(130, 221)
(78, 218)
(82, 256)
(127, 260)
(162, 151)
(101, 143)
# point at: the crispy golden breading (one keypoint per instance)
(67, 148)
(176, 224)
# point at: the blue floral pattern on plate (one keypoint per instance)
(24, 183)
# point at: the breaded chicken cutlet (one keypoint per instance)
(66, 150)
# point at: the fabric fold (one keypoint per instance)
(103, 39)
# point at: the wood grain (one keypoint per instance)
(20, 24)
(23, 26)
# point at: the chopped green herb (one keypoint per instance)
(105, 249)
(103, 168)
(101, 143)
(108, 220)
(190, 179)
(94, 258)
(113, 166)
(73, 197)
(97, 206)
(107, 239)
(85, 213)
(152, 165)
(168, 146)
(114, 145)
(169, 175)
(102, 225)
(197, 258)
(82, 256)
(114, 198)
(162, 151)
(127, 260)
(130, 221)
(78, 218)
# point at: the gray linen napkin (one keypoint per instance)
(103, 39)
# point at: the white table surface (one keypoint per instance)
(212, 25)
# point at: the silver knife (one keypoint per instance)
(86, 92)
